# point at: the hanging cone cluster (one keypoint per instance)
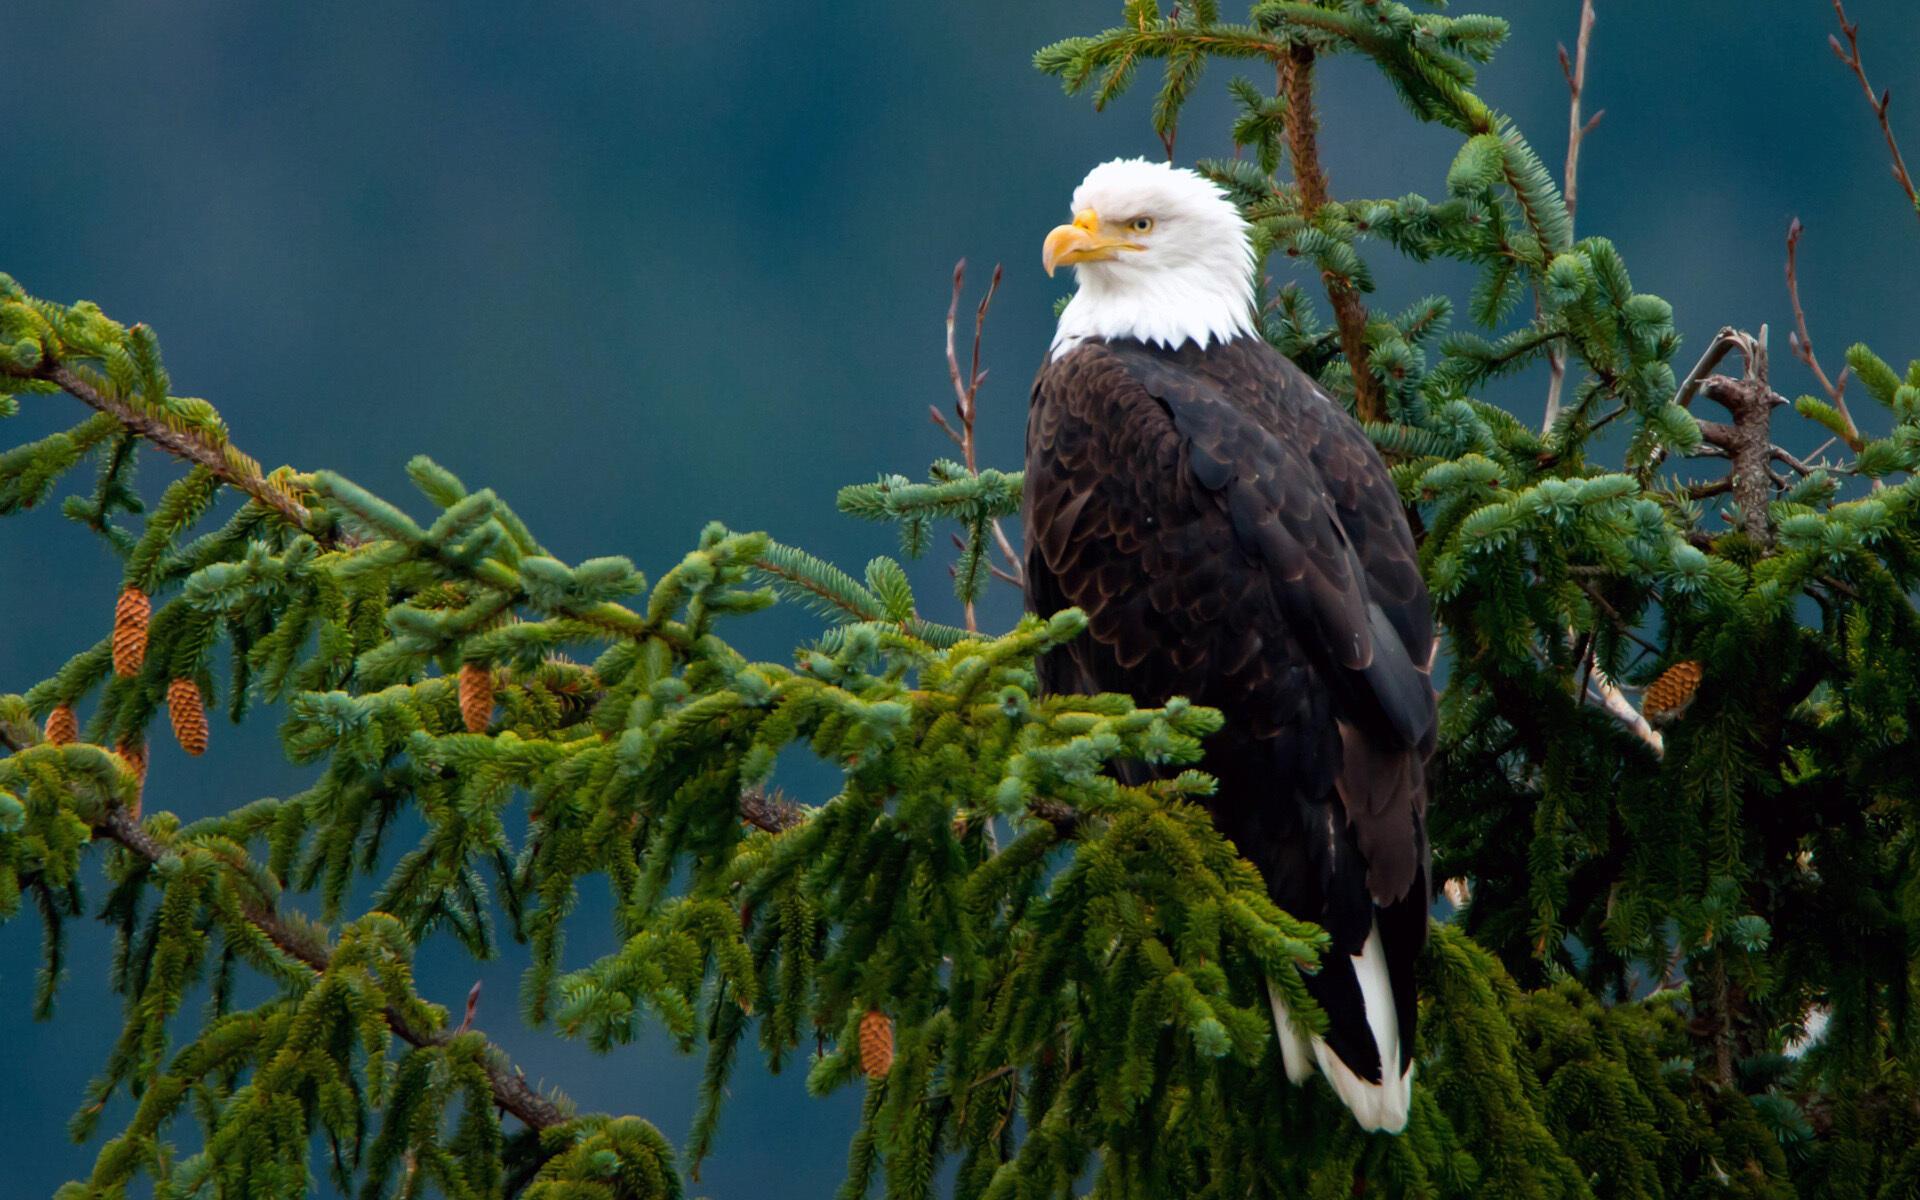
(130, 632)
(1668, 696)
(62, 726)
(188, 712)
(476, 696)
(876, 1043)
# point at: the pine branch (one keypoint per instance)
(511, 1091)
(1296, 79)
(229, 466)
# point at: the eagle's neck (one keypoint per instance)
(1201, 302)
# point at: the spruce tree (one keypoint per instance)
(1680, 957)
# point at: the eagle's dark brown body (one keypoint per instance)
(1234, 538)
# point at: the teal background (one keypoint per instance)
(637, 266)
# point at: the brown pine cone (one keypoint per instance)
(130, 616)
(189, 715)
(476, 696)
(876, 1044)
(1668, 696)
(62, 726)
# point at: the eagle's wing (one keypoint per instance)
(1234, 538)
(1305, 494)
(1230, 533)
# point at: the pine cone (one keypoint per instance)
(135, 756)
(62, 726)
(876, 1044)
(1668, 696)
(476, 696)
(189, 715)
(130, 632)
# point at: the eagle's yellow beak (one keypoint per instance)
(1080, 242)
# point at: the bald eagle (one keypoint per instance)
(1234, 538)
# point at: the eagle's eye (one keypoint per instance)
(1141, 224)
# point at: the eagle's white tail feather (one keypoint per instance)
(1376, 1106)
(1294, 1050)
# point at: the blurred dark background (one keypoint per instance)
(638, 266)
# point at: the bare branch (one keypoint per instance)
(1798, 466)
(1613, 616)
(1596, 687)
(1015, 572)
(473, 1009)
(1708, 490)
(1748, 440)
(1608, 696)
(1723, 342)
(1575, 69)
(1879, 102)
(1801, 343)
(966, 393)
(939, 418)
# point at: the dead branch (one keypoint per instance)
(1748, 441)
(1850, 55)
(1575, 70)
(966, 393)
(1801, 343)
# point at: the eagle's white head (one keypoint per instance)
(1163, 256)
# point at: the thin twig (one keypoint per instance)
(966, 393)
(1723, 342)
(1850, 55)
(1607, 419)
(1613, 615)
(1575, 70)
(1799, 467)
(1576, 73)
(1801, 343)
(473, 1009)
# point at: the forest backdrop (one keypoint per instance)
(365, 237)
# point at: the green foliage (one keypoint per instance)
(633, 766)
(1645, 995)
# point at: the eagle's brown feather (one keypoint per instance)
(1234, 538)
